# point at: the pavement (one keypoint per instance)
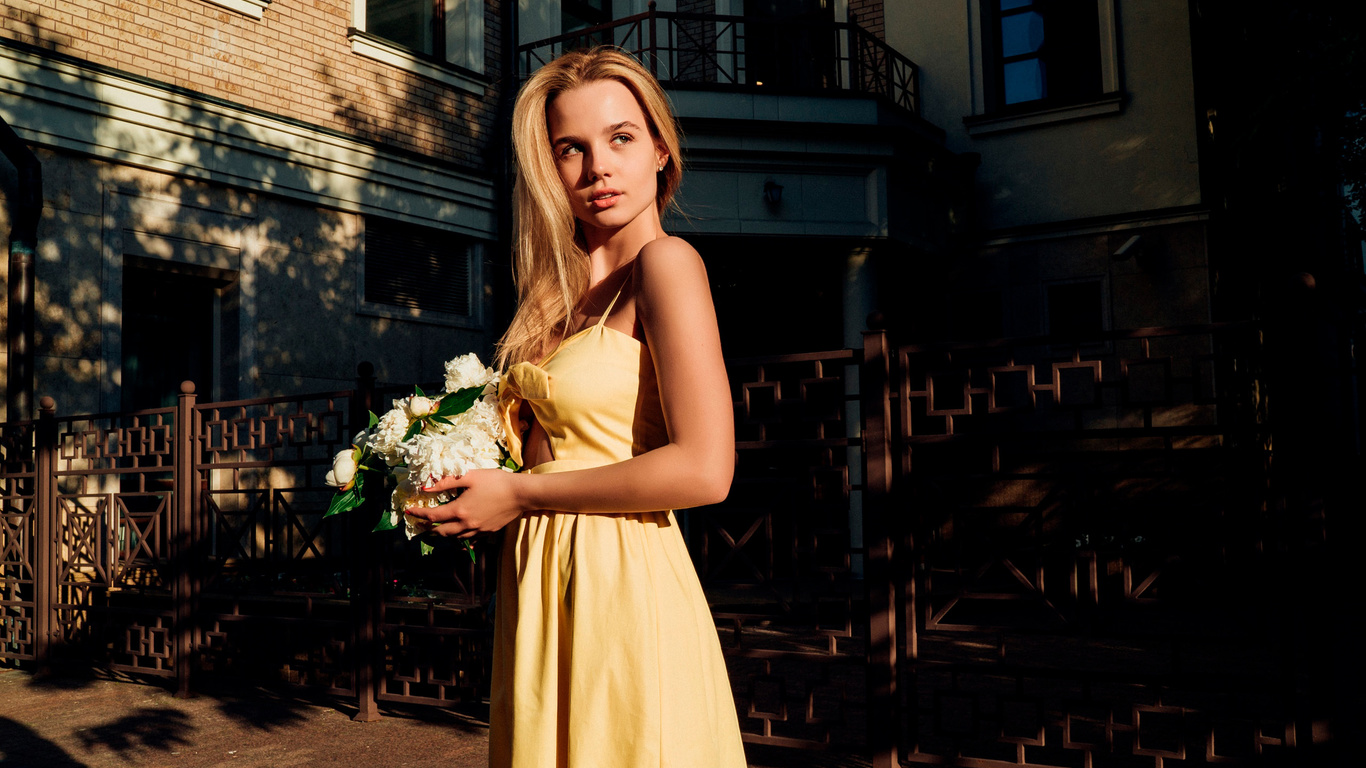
(75, 721)
(91, 721)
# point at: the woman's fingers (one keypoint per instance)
(484, 504)
(447, 484)
(454, 530)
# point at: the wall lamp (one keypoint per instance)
(773, 193)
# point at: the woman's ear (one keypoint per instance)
(661, 157)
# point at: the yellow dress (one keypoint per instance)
(605, 653)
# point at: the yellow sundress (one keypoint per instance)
(605, 653)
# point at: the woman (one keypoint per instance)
(605, 651)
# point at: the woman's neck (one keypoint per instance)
(610, 250)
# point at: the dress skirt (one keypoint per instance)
(605, 652)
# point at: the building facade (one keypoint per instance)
(252, 194)
(222, 170)
(1039, 173)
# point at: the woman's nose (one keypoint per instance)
(598, 165)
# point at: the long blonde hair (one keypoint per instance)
(550, 263)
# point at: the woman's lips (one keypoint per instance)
(604, 199)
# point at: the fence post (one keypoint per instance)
(44, 535)
(878, 573)
(851, 42)
(182, 550)
(654, 52)
(366, 597)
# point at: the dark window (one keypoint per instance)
(581, 14)
(442, 30)
(1076, 310)
(413, 24)
(417, 267)
(1045, 51)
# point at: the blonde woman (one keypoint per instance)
(617, 403)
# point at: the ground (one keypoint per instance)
(69, 722)
(82, 721)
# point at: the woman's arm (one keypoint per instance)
(673, 305)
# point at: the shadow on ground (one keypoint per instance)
(149, 728)
(21, 747)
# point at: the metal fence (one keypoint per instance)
(1023, 552)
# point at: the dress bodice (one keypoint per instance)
(595, 395)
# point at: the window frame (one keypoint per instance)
(463, 76)
(252, 9)
(989, 117)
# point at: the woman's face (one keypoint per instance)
(606, 156)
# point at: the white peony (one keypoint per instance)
(466, 371)
(409, 494)
(387, 440)
(343, 470)
(419, 406)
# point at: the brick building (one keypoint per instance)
(253, 194)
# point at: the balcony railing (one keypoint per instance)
(739, 53)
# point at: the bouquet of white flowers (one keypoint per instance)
(421, 440)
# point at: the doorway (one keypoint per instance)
(169, 335)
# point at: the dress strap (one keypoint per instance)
(610, 304)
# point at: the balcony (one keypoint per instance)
(749, 55)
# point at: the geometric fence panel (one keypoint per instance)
(780, 558)
(18, 555)
(1024, 554)
(1084, 530)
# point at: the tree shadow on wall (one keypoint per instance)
(277, 278)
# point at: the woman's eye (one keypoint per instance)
(570, 149)
(622, 138)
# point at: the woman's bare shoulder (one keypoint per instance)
(667, 257)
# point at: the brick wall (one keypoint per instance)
(295, 62)
(868, 14)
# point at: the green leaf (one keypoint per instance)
(384, 524)
(426, 548)
(469, 549)
(458, 401)
(343, 501)
(510, 464)
(413, 429)
(418, 391)
(441, 420)
(373, 419)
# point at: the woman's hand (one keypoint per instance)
(488, 501)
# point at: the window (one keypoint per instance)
(1044, 52)
(439, 39)
(416, 272)
(581, 14)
